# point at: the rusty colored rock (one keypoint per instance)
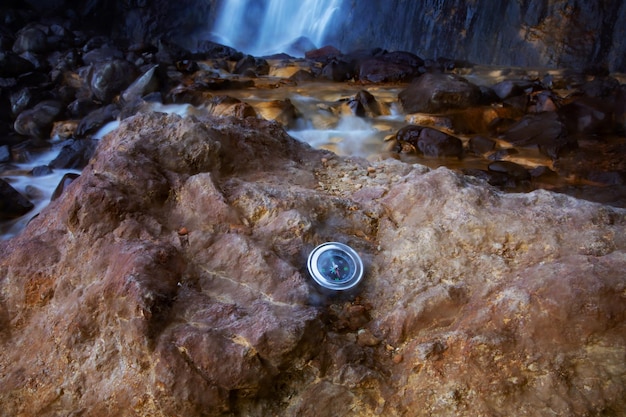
(474, 302)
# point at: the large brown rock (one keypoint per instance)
(168, 279)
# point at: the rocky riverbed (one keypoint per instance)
(169, 278)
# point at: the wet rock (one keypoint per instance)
(511, 88)
(431, 142)
(364, 104)
(25, 98)
(37, 122)
(257, 66)
(96, 119)
(12, 203)
(282, 111)
(64, 129)
(480, 145)
(544, 131)
(229, 106)
(515, 171)
(432, 93)
(75, 154)
(81, 107)
(30, 39)
(63, 184)
(337, 71)
(302, 76)
(104, 53)
(108, 79)
(41, 171)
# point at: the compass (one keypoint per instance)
(335, 266)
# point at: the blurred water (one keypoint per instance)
(266, 27)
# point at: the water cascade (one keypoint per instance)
(263, 28)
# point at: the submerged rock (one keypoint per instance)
(474, 302)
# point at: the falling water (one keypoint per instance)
(272, 26)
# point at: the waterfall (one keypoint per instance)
(273, 26)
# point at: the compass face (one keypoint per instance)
(335, 266)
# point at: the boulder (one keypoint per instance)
(38, 121)
(74, 154)
(395, 66)
(544, 131)
(108, 79)
(170, 279)
(31, 38)
(12, 203)
(431, 142)
(433, 93)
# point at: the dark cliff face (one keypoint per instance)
(556, 33)
(552, 33)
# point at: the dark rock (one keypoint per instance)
(511, 88)
(12, 65)
(431, 142)
(302, 76)
(41, 171)
(102, 54)
(337, 71)
(25, 98)
(211, 50)
(30, 39)
(516, 171)
(108, 79)
(480, 145)
(37, 122)
(75, 154)
(502, 153)
(544, 131)
(12, 203)
(433, 93)
(364, 104)
(258, 66)
(390, 67)
(81, 107)
(63, 184)
(324, 54)
(588, 115)
(96, 119)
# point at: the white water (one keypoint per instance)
(264, 28)
(37, 189)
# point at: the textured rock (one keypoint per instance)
(168, 279)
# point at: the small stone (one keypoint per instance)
(366, 338)
(397, 358)
(371, 170)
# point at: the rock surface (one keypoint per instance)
(168, 279)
